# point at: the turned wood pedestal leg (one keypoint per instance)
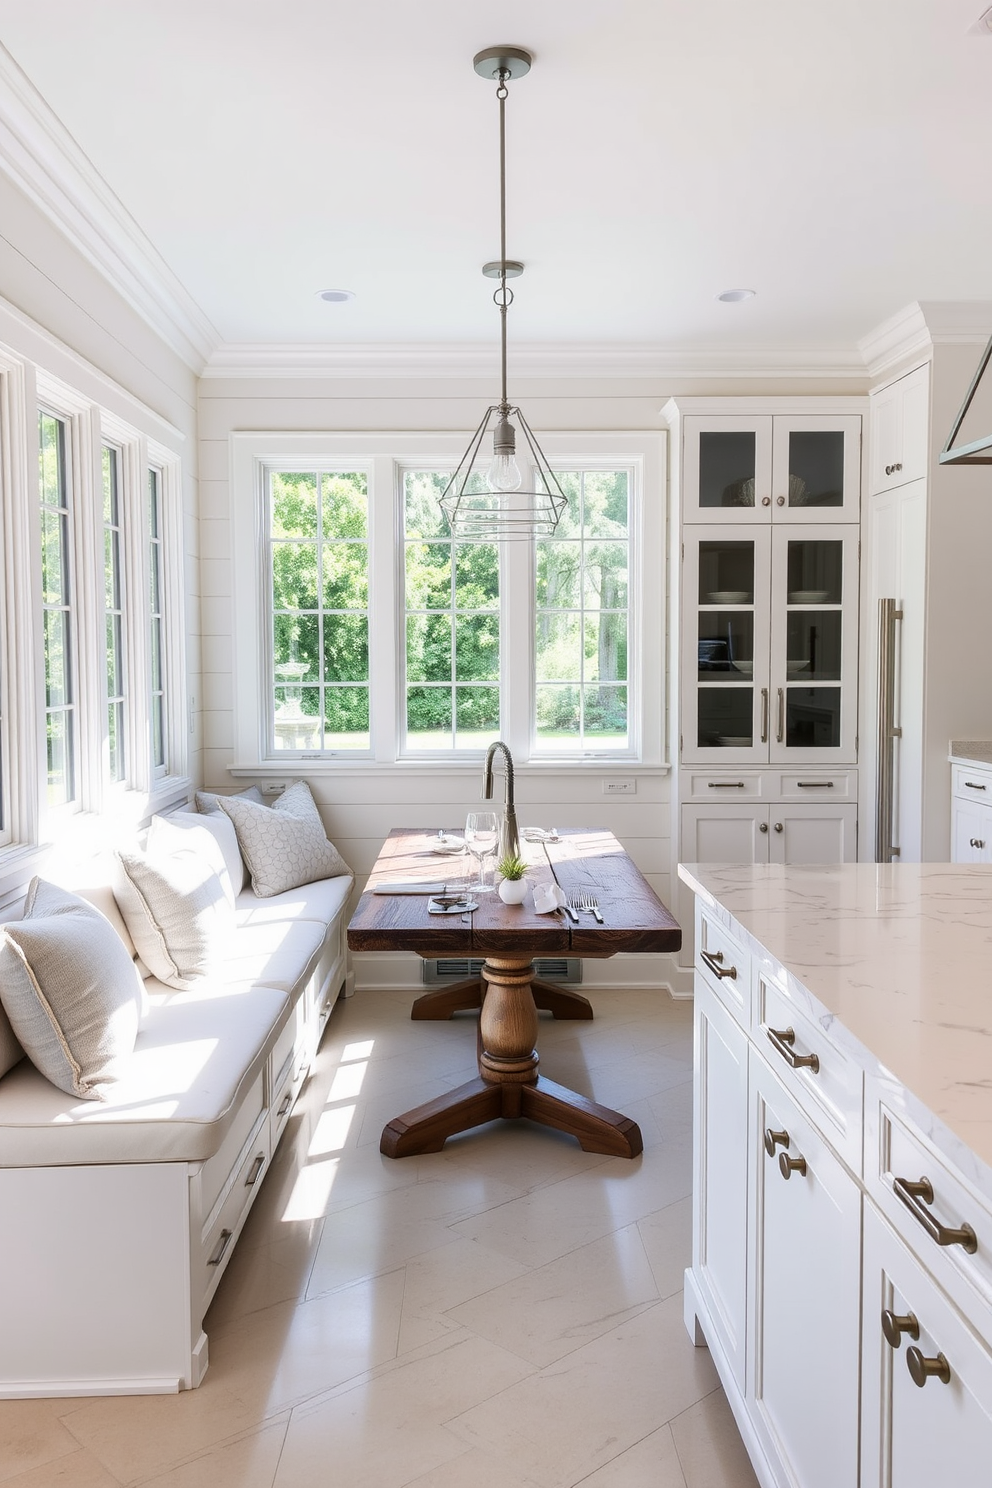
(460, 997)
(509, 1085)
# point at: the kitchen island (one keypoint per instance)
(842, 1246)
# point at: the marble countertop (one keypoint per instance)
(978, 751)
(897, 959)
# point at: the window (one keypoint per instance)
(115, 763)
(58, 622)
(364, 631)
(156, 623)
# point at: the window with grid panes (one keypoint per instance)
(156, 620)
(582, 620)
(318, 533)
(115, 763)
(57, 605)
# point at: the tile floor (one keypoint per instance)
(504, 1314)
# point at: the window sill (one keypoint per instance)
(295, 769)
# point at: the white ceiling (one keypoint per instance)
(832, 156)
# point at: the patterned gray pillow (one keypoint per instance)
(71, 991)
(174, 905)
(284, 845)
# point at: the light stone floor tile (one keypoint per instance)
(551, 1311)
(709, 1446)
(503, 1314)
(31, 1434)
(597, 1402)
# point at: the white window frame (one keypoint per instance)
(385, 457)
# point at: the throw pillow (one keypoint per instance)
(284, 845)
(175, 907)
(71, 991)
(209, 801)
(212, 836)
(11, 1052)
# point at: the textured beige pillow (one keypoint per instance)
(11, 1052)
(71, 991)
(212, 836)
(175, 907)
(284, 845)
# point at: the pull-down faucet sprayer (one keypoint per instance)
(509, 839)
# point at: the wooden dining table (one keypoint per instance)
(583, 862)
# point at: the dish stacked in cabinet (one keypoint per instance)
(842, 1269)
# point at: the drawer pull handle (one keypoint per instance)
(921, 1368)
(285, 1104)
(916, 1197)
(891, 469)
(894, 1326)
(714, 960)
(781, 1039)
(256, 1168)
(725, 784)
(788, 1165)
(975, 842)
(775, 1139)
(221, 1251)
(780, 730)
(764, 715)
(815, 784)
(974, 785)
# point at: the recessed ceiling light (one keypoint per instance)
(733, 296)
(335, 296)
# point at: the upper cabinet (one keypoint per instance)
(772, 468)
(900, 425)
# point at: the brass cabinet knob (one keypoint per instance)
(894, 1326)
(775, 1139)
(788, 1165)
(921, 1368)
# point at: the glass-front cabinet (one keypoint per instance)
(769, 644)
(772, 468)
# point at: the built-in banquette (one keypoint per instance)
(120, 1214)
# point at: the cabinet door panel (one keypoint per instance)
(813, 834)
(727, 468)
(971, 834)
(720, 1189)
(807, 1248)
(900, 425)
(913, 1437)
(816, 467)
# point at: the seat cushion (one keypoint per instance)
(280, 953)
(322, 901)
(196, 1056)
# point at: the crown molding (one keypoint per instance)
(429, 360)
(43, 160)
(914, 331)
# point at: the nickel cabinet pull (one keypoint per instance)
(974, 785)
(891, 469)
(219, 1253)
(814, 785)
(714, 960)
(894, 1326)
(725, 784)
(780, 731)
(975, 842)
(781, 1040)
(916, 1197)
(788, 1165)
(764, 717)
(256, 1168)
(921, 1369)
(775, 1139)
(284, 1104)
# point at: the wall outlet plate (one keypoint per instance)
(626, 787)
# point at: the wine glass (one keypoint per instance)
(481, 837)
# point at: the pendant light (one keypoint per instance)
(502, 490)
(979, 451)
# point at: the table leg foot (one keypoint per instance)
(597, 1128)
(560, 1003)
(426, 1128)
(457, 998)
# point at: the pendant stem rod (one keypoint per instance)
(501, 93)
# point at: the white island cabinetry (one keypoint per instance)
(844, 1127)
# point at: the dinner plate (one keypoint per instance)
(735, 741)
(808, 596)
(728, 596)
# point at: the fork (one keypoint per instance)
(587, 902)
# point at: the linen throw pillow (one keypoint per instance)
(11, 1052)
(71, 991)
(208, 801)
(213, 836)
(175, 907)
(284, 845)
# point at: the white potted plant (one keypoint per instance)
(512, 887)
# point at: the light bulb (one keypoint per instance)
(504, 472)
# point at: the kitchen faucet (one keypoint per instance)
(509, 839)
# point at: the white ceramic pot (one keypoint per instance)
(512, 890)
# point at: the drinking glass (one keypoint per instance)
(481, 837)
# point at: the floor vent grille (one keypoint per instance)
(564, 969)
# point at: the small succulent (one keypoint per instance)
(511, 867)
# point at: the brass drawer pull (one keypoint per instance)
(788, 1165)
(894, 1326)
(775, 1139)
(916, 1196)
(781, 1039)
(219, 1253)
(256, 1168)
(284, 1104)
(974, 785)
(714, 960)
(921, 1368)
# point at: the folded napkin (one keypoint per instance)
(448, 844)
(548, 897)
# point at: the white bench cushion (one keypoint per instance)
(196, 1055)
(313, 901)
